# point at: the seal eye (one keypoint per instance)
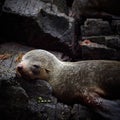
(35, 69)
(36, 66)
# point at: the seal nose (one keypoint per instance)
(20, 67)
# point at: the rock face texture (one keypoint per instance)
(37, 23)
(96, 8)
(45, 24)
(81, 10)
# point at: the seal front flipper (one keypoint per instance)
(92, 98)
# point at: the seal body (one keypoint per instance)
(73, 82)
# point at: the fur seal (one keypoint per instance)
(73, 82)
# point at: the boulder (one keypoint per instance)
(1, 4)
(96, 27)
(37, 23)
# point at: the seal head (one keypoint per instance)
(36, 64)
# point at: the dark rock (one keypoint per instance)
(116, 26)
(97, 51)
(96, 39)
(51, 111)
(8, 65)
(96, 8)
(57, 111)
(34, 22)
(81, 10)
(61, 4)
(110, 41)
(76, 115)
(36, 88)
(14, 96)
(113, 42)
(69, 3)
(102, 53)
(1, 4)
(80, 112)
(96, 27)
(13, 99)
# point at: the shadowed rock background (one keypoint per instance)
(45, 24)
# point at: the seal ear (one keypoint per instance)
(47, 70)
